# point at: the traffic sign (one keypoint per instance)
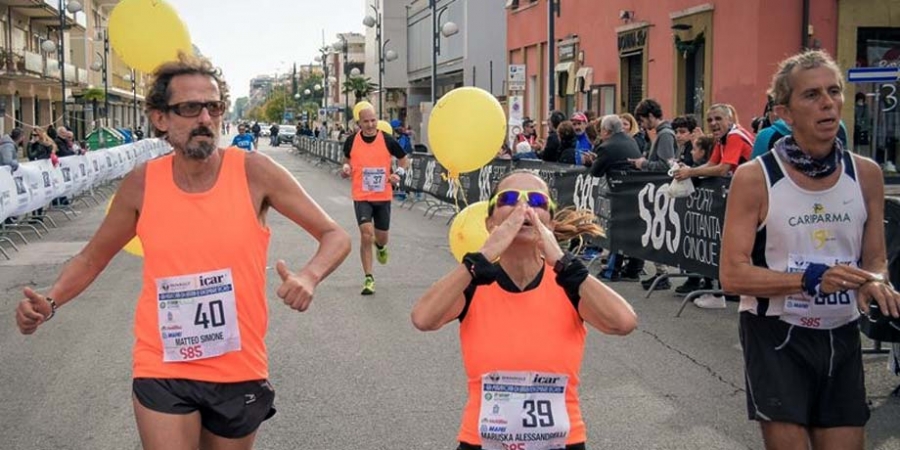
(873, 74)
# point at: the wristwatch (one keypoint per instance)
(52, 308)
(563, 262)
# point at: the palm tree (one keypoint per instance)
(360, 87)
(94, 95)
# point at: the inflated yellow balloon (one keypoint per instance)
(133, 246)
(466, 129)
(361, 106)
(386, 127)
(468, 231)
(147, 33)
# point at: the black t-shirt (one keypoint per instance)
(392, 145)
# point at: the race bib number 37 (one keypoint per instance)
(373, 179)
(197, 316)
(523, 411)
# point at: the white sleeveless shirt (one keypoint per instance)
(803, 227)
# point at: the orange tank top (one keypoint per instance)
(204, 279)
(537, 330)
(371, 169)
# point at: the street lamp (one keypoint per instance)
(345, 48)
(375, 21)
(448, 29)
(73, 7)
(355, 72)
(103, 65)
(131, 78)
(323, 58)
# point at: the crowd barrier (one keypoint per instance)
(35, 184)
(635, 209)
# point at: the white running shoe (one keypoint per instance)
(709, 301)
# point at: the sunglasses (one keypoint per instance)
(193, 109)
(535, 199)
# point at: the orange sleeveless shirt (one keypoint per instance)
(536, 330)
(369, 161)
(194, 233)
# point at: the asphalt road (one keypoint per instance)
(352, 372)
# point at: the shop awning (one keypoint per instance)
(565, 73)
(584, 78)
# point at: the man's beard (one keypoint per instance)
(201, 150)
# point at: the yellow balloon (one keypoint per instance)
(361, 106)
(468, 231)
(386, 127)
(133, 246)
(147, 33)
(466, 129)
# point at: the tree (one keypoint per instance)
(360, 88)
(94, 95)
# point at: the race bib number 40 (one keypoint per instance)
(197, 316)
(523, 411)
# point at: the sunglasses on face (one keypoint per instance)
(193, 109)
(535, 199)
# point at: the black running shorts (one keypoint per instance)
(809, 377)
(229, 410)
(377, 212)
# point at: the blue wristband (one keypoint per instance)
(812, 278)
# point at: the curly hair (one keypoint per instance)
(569, 222)
(159, 95)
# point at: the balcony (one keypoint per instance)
(70, 72)
(83, 77)
(34, 62)
(51, 70)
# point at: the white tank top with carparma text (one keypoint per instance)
(803, 227)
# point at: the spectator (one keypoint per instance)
(402, 135)
(62, 145)
(734, 145)
(701, 150)
(684, 127)
(552, 147)
(613, 153)
(139, 133)
(273, 135)
(524, 151)
(580, 123)
(529, 135)
(615, 149)
(9, 148)
(662, 150)
(567, 142)
(631, 127)
(255, 129)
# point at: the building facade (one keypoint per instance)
(474, 56)
(31, 82)
(393, 38)
(687, 54)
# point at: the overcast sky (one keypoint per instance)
(249, 38)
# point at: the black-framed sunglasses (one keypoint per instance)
(193, 109)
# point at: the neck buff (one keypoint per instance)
(789, 151)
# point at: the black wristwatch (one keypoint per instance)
(563, 262)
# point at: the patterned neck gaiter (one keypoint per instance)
(789, 151)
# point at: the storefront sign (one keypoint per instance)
(632, 40)
(516, 77)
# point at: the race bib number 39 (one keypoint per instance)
(523, 411)
(197, 316)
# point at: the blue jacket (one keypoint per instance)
(767, 137)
